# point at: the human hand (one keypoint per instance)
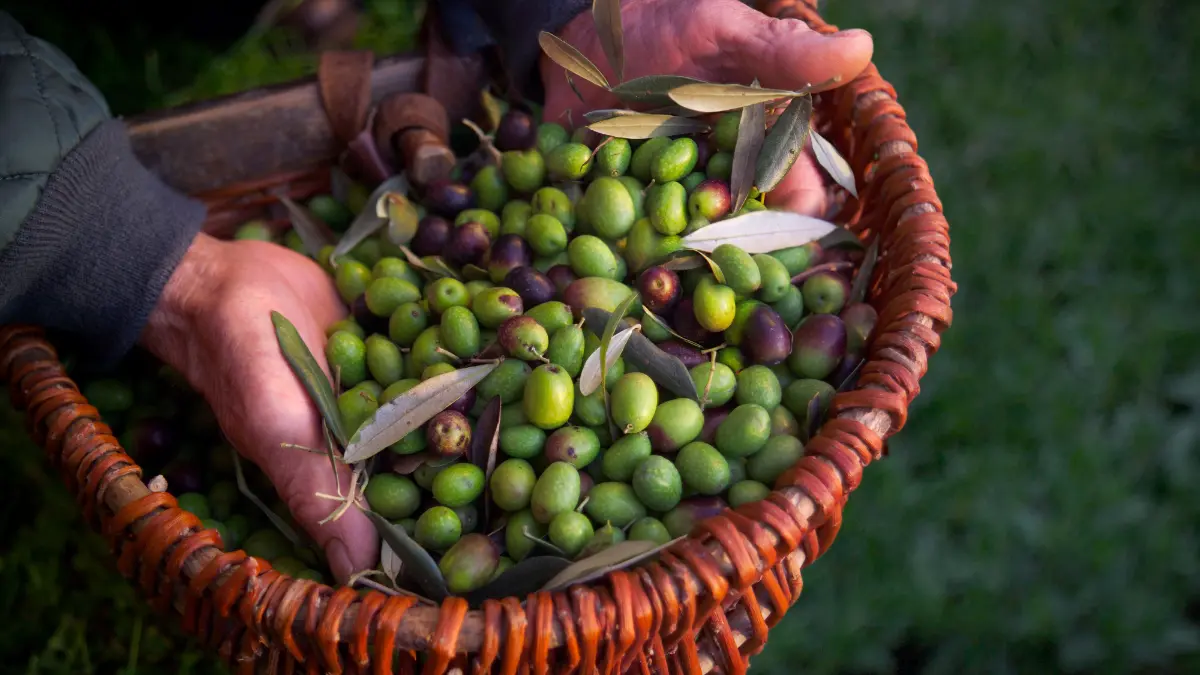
(213, 324)
(719, 41)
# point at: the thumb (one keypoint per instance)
(787, 54)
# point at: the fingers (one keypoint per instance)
(787, 54)
(802, 190)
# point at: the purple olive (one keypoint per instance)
(433, 232)
(370, 322)
(509, 252)
(447, 199)
(690, 356)
(712, 419)
(684, 322)
(449, 433)
(660, 288)
(464, 402)
(516, 131)
(766, 339)
(184, 475)
(468, 244)
(818, 345)
(533, 286)
(710, 200)
(860, 319)
(561, 276)
(153, 439)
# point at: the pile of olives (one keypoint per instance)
(505, 259)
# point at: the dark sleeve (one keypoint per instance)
(511, 26)
(88, 236)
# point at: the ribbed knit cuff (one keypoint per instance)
(95, 253)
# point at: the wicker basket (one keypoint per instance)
(704, 606)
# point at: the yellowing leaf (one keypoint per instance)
(707, 97)
(646, 125)
(395, 419)
(571, 59)
(760, 232)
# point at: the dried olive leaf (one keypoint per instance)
(416, 561)
(592, 374)
(607, 15)
(306, 368)
(645, 125)
(712, 266)
(851, 379)
(651, 89)
(395, 419)
(751, 133)
(616, 557)
(680, 263)
(760, 232)
(279, 523)
(368, 221)
(707, 97)
(401, 217)
(314, 234)
(784, 143)
(659, 320)
(665, 369)
(527, 576)
(389, 562)
(862, 281)
(832, 161)
(407, 464)
(571, 60)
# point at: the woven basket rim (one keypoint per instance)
(729, 561)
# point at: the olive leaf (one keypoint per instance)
(401, 217)
(760, 232)
(406, 464)
(606, 114)
(475, 273)
(368, 221)
(862, 280)
(485, 443)
(494, 108)
(751, 133)
(707, 97)
(665, 326)
(832, 161)
(433, 267)
(607, 15)
(571, 60)
(593, 371)
(279, 523)
(680, 263)
(340, 184)
(616, 557)
(408, 411)
(314, 234)
(712, 266)
(389, 562)
(813, 418)
(784, 143)
(839, 238)
(665, 369)
(851, 379)
(651, 89)
(306, 368)
(415, 560)
(646, 125)
(527, 576)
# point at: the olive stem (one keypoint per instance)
(582, 504)
(545, 543)
(447, 353)
(305, 448)
(375, 585)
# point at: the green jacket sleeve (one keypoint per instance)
(88, 236)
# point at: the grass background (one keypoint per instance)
(1039, 513)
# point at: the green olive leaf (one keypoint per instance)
(665, 369)
(571, 60)
(851, 379)
(646, 125)
(607, 15)
(760, 232)
(611, 347)
(401, 217)
(619, 556)
(475, 273)
(340, 184)
(485, 443)
(784, 143)
(813, 423)
(408, 411)
(314, 234)
(751, 133)
(840, 238)
(665, 326)
(416, 561)
(862, 280)
(279, 523)
(368, 221)
(651, 89)
(606, 114)
(389, 562)
(707, 97)
(523, 578)
(683, 260)
(306, 368)
(832, 161)
(431, 267)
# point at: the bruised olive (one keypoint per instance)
(508, 252)
(447, 199)
(523, 338)
(468, 244)
(660, 288)
(449, 433)
(516, 131)
(533, 286)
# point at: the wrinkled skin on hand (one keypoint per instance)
(213, 324)
(719, 41)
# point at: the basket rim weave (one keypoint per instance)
(705, 605)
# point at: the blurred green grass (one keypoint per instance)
(1038, 514)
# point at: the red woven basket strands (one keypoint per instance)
(704, 606)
